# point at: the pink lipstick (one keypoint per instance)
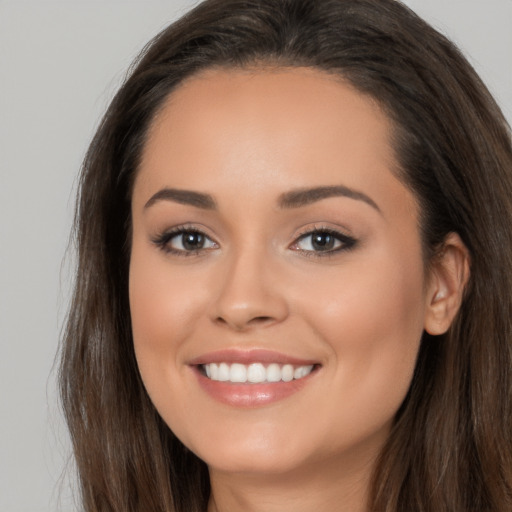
(251, 378)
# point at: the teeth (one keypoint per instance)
(287, 373)
(223, 372)
(237, 373)
(273, 372)
(255, 372)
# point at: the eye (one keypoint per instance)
(323, 241)
(184, 241)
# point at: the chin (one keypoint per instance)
(269, 452)
(257, 462)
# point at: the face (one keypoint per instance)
(277, 285)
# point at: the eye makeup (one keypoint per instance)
(318, 241)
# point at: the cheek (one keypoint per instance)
(371, 320)
(369, 301)
(164, 309)
(164, 302)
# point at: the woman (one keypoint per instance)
(293, 286)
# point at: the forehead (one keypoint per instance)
(264, 102)
(267, 129)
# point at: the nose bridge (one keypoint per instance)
(250, 294)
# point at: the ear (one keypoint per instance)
(449, 275)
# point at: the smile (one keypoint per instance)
(255, 373)
(254, 377)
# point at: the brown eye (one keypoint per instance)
(184, 241)
(192, 241)
(189, 241)
(324, 241)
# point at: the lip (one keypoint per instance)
(250, 356)
(249, 395)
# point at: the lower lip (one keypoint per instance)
(250, 395)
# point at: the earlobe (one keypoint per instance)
(448, 278)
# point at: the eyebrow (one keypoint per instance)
(305, 196)
(292, 199)
(188, 197)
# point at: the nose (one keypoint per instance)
(251, 293)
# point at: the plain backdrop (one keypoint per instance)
(60, 64)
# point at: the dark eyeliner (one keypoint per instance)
(347, 242)
(162, 240)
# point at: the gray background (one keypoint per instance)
(60, 63)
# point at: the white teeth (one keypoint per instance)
(237, 373)
(287, 373)
(223, 374)
(255, 372)
(300, 372)
(273, 372)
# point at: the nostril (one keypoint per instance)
(248, 310)
(242, 324)
(261, 319)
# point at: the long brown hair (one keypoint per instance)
(451, 445)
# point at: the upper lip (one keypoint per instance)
(248, 356)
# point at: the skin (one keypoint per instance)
(246, 137)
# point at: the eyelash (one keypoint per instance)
(162, 241)
(346, 242)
